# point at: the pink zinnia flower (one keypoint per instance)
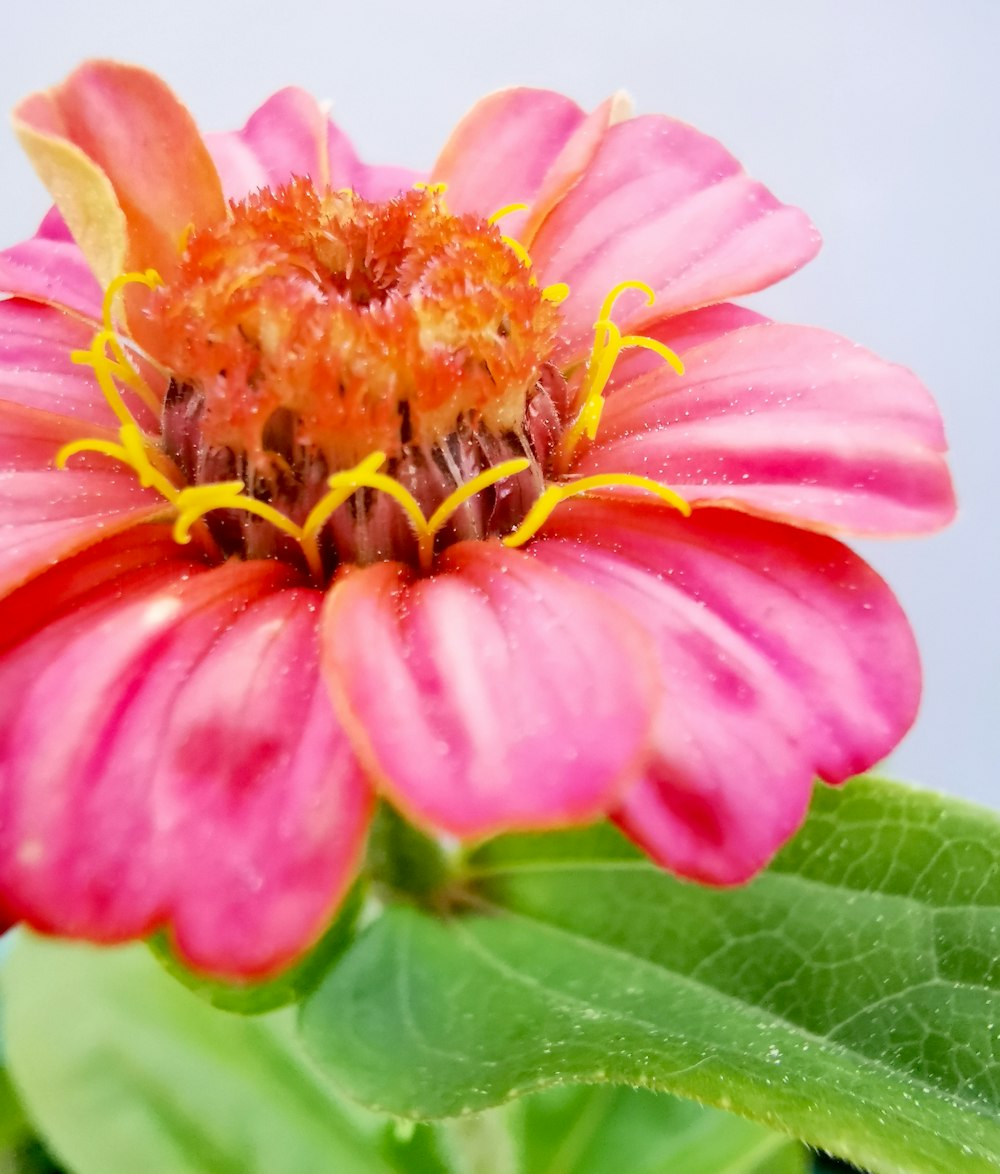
(336, 490)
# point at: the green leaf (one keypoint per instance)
(848, 996)
(123, 1069)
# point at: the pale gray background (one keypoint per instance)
(877, 116)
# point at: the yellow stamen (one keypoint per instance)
(195, 501)
(553, 495)
(506, 210)
(151, 279)
(459, 497)
(432, 189)
(519, 251)
(556, 293)
(609, 342)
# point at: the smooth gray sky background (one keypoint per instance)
(879, 117)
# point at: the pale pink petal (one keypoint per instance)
(36, 370)
(291, 135)
(568, 166)
(503, 148)
(50, 268)
(783, 656)
(664, 204)
(122, 123)
(198, 779)
(788, 421)
(370, 181)
(492, 695)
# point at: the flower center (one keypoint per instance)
(353, 381)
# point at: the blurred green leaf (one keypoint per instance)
(123, 1069)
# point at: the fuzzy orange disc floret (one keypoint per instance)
(367, 325)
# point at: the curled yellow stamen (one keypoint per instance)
(609, 342)
(506, 210)
(553, 495)
(519, 251)
(195, 501)
(459, 497)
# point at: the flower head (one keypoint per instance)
(326, 481)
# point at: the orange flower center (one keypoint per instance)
(333, 326)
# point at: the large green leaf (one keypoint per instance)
(848, 996)
(123, 1069)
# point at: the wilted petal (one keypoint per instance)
(789, 421)
(124, 163)
(783, 657)
(492, 695)
(664, 204)
(199, 777)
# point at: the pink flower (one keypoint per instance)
(322, 495)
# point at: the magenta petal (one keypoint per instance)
(500, 152)
(493, 695)
(788, 421)
(664, 204)
(50, 268)
(291, 135)
(199, 776)
(783, 656)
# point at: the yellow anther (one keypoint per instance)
(615, 293)
(151, 279)
(459, 497)
(506, 210)
(107, 447)
(195, 501)
(347, 481)
(652, 344)
(432, 189)
(554, 495)
(556, 293)
(609, 342)
(518, 250)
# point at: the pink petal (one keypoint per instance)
(291, 135)
(48, 513)
(682, 333)
(51, 268)
(788, 421)
(783, 656)
(664, 204)
(36, 371)
(492, 695)
(503, 148)
(568, 166)
(198, 777)
(124, 123)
